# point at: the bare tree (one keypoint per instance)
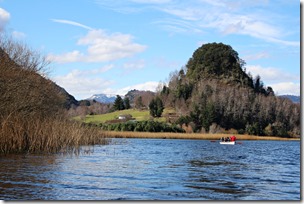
(23, 89)
(23, 55)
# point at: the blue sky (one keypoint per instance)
(105, 46)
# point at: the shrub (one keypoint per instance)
(143, 126)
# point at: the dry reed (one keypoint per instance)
(167, 135)
(45, 135)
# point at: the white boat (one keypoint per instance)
(228, 143)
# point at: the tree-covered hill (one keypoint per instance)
(213, 93)
(220, 61)
(32, 108)
(26, 91)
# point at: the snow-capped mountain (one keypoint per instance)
(103, 98)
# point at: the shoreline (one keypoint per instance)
(198, 136)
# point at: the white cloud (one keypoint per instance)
(270, 74)
(258, 19)
(178, 26)
(246, 24)
(101, 47)
(286, 88)
(133, 66)
(18, 35)
(73, 56)
(83, 84)
(282, 82)
(164, 63)
(71, 23)
(103, 69)
(256, 56)
(147, 86)
(151, 1)
(186, 13)
(4, 18)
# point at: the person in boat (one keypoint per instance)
(222, 139)
(227, 139)
(232, 138)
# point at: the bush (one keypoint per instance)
(142, 126)
(156, 107)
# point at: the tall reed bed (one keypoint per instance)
(166, 135)
(45, 135)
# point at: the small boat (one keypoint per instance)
(228, 143)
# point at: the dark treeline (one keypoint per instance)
(142, 126)
(213, 89)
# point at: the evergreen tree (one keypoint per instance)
(139, 102)
(127, 103)
(156, 107)
(118, 103)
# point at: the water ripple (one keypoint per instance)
(156, 169)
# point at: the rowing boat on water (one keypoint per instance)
(228, 143)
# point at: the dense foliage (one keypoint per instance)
(121, 104)
(156, 107)
(118, 104)
(217, 60)
(142, 126)
(213, 88)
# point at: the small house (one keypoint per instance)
(125, 117)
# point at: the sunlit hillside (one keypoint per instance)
(138, 115)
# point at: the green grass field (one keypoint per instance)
(139, 115)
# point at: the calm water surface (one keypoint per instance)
(158, 169)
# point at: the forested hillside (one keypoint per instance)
(213, 93)
(32, 108)
(23, 89)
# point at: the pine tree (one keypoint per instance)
(139, 103)
(118, 104)
(127, 103)
(156, 107)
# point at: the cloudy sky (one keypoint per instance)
(105, 46)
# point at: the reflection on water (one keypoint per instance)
(156, 169)
(26, 177)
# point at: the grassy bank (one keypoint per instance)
(116, 134)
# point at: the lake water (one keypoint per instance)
(158, 169)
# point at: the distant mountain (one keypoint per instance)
(293, 98)
(103, 98)
(146, 96)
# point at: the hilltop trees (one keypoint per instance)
(214, 90)
(217, 60)
(139, 99)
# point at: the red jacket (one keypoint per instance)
(232, 138)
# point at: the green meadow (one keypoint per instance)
(139, 115)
